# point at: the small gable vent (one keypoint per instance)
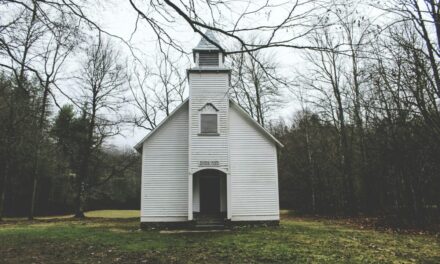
(208, 59)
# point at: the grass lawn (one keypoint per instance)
(114, 237)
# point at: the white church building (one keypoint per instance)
(209, 159)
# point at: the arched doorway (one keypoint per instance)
(209, 194)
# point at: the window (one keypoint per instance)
(208, 123)
(209, 59)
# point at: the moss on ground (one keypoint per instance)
(117, 240)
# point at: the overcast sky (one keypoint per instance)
(119, 18)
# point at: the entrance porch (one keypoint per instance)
(209, 203)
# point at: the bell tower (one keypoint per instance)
(208, 111)
(207, 55)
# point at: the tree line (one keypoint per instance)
(55, 157)
(366, 137)
(58, 161)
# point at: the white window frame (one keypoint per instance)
(200, 123)
(209, 111)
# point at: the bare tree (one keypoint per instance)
(157, 91)
(357, 35)
(404, 84)
(257, 87)
(327, 77)
(297, 18)
(424, 18)
(102, 83)
(59, 46)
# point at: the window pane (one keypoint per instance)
(208, 123)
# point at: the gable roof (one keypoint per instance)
(138, 146)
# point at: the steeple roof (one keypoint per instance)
(204, 44)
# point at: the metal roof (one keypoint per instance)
(204, 44)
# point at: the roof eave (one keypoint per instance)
(222, 51)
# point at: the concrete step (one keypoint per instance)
(210, 222)
(214, 221)
(210, 226)
(219, 223)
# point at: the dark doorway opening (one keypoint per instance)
(210, 195)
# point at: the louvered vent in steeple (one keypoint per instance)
(208, 59)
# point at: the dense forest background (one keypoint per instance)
(363, 138)
(114, 180)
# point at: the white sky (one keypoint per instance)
(119, 19)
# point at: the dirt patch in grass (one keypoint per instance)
(367, 223)
(45, 221)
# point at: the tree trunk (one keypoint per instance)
(39, 135)
(33, 196)
(3, 191)
(79, 211)
(311, 167)
(349, 198)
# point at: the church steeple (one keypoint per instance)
(208, 55)
(208, 110)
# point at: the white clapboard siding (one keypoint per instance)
(244, 152)
(253, 165)
(165, 171)
(209, 88)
